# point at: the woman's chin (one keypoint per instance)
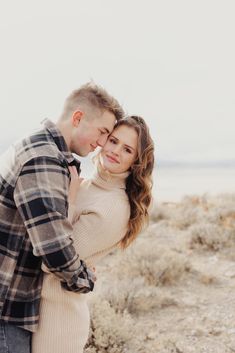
(109, 169)
(108, 166)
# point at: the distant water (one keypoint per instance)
(171, 184)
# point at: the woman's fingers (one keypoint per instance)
(74, 175)
(74, 184)
(73, 171)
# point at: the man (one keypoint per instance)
(34, 182)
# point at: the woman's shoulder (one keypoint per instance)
(115, 197)
(108, 204)
(115, 207)
(92, 190)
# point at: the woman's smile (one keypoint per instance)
(112, 159)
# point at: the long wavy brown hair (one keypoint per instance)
(139, 182)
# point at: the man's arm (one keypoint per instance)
(41, 199)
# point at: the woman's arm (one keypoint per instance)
(100, 227)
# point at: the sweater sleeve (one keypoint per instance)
(73, 214)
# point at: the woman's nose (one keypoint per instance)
(116, 149)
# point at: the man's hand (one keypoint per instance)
(92, 272)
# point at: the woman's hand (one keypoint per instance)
(74, 185)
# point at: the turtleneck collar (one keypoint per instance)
(107, 180)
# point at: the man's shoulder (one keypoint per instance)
(38, 144)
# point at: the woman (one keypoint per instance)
(111, 210)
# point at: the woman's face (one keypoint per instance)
(120, 150)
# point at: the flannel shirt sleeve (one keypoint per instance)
(41, 198)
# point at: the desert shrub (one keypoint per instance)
(207, 279)
(135, 296)
(157, 265)
(178, 215)
(156, 231)
(184, 216)
(219, 209)
(110, 331)
(160, 212)
(209, 237)
(147, 299)
(133, 290)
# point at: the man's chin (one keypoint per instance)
(81, 153)
(85, 153)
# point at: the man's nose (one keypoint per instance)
(102, 141)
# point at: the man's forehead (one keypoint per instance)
(107, 121)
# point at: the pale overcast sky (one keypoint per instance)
(171, 61)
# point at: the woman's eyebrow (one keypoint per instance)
(132, 148)
(116, 139)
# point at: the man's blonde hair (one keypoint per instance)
(94, 97)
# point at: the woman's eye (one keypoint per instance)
(127, 150)
(112, 140)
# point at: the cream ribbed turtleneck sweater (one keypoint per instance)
(100, 221)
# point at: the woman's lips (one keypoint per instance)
(112, 159)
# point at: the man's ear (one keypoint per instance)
(76, 117)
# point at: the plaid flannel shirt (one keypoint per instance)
(34, 182)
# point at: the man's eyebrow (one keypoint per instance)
(107, 130)
(113, 136)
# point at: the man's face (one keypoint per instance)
(91, 132)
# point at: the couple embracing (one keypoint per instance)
(55, 227)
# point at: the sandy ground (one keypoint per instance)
(173, 291)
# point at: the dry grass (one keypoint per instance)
(209, 237)
(164, 293)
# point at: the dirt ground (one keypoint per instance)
(174, 289)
